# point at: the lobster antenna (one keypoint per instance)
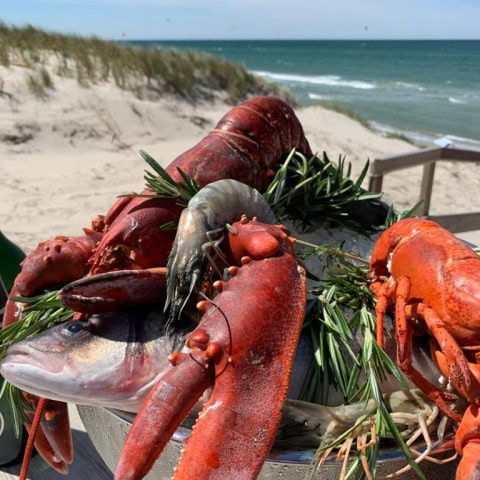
(230, 337)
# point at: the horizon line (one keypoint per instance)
(299, 39)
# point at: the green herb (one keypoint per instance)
(342, 314)
(43, 312)
(312, 191)
(164, 186)
(394, 216)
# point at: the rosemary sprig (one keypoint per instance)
(17, 403)
(312, 191)
(164, 186)
(394, 216)
(43, 312)
(344, 313)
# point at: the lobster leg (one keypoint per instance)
(46, 452)
(467, 444)
(467, 438)
(248, 335)
(459, 371)
(404, 336)
(383, 292)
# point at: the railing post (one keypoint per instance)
(375, 183)
(426, 188)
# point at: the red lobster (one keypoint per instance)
(245, 145)
(246, 353)
(434, 281)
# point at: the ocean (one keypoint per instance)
(423, 89)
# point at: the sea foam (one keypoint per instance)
(330, 80)
(456, 100)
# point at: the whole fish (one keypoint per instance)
(111, 360)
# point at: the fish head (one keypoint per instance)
(109, 360)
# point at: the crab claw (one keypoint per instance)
(244, 345)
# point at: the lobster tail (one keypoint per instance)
(245, 144)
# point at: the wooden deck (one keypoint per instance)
(87, 464)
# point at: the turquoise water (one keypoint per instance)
(426, 89)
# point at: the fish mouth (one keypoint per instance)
(28, 355)
(25, 368)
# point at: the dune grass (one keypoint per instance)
(403, 138)
(336, 107)
(148, 73)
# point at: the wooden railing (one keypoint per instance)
(461, 222)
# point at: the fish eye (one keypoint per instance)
(75, 328)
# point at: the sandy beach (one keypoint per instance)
(65, 157)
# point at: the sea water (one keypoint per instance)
(424, 89)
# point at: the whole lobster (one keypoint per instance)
(245, 145)
(434, 282)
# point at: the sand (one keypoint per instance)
(66, 157)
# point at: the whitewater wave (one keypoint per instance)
(464, 141)
(316, 96)
(330, 80)
(412, 86)
(427, 138)
(456, 100)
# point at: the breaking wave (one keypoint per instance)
(456, 100)
(330, 80)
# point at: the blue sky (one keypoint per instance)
(249, 19)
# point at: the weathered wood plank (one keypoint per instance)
(454, 222)
(407, 160)
(459, 222)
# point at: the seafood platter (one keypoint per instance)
(253, 313)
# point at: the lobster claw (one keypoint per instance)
(244, 345)
(56, 262)
(112, 291)
(53, 440)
